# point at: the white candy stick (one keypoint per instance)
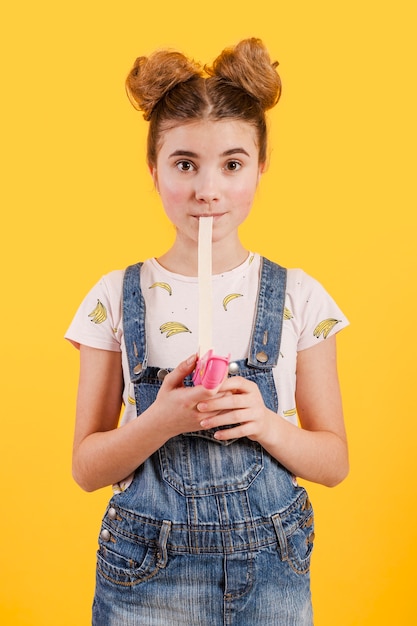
(205, 293)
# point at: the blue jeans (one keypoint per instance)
(208, 533)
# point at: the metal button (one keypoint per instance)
(161, 374)
(112, 513)
(138, 368)
(233, 368)
(105, 535)
(262, 357)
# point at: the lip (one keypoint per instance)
(213, 215)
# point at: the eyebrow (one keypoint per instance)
(194, 155)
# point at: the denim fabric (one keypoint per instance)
(208, 533)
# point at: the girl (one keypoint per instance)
(207, 525)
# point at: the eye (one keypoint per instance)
(185, 166)
(233, 166)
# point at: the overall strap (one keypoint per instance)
(134, 322)
(267, 330)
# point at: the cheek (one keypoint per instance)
(246, 195)
(172, 195)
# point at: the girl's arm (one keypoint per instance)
(104, 454)
(318, 450)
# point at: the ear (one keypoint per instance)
(262, 169)
(153, 173)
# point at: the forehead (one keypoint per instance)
(210, 137)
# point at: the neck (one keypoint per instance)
(184, 260)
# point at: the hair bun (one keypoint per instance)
(248, 66)
(152, 77)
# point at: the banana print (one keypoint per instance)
(325, 327)
(287, 314)
(120, 487)
(131, 400)
(165, 286)
(173, 328)
(290, 413)
(229, 298)
(99, 314)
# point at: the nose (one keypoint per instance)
(207, 189)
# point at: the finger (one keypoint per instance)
(223, 402)
(225, 434)
(235, 384)
(176, 377)
(227, 418)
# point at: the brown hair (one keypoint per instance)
(170, 90)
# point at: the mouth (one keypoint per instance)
(213, 215)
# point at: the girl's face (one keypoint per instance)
(208, 168)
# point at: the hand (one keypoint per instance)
(175, 407)
(239, 404)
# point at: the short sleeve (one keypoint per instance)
(312, 310)
(98, 320)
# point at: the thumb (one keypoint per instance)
(176, 377)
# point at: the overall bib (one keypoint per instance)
(209, 533)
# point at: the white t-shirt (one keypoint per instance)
(171, 302)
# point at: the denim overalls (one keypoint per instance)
(209, 533)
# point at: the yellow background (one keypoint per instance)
(339, 200)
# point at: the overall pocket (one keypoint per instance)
(126, 555)
(119, 570)
(295, 532)
(197, 466)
